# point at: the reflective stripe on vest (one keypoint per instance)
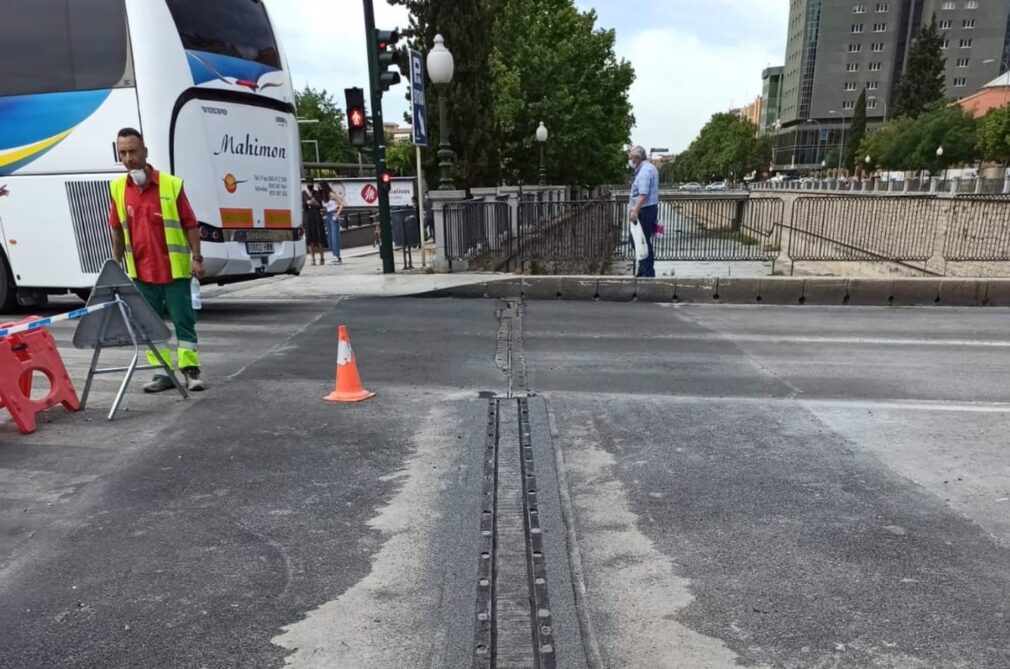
(169, 188)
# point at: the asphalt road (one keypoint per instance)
(745, 486)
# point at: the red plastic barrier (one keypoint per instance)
(21, 355)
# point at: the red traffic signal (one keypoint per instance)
(357, 121)
(387, 179)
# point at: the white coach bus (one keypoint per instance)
(207, 84)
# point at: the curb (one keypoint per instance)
(814, 291)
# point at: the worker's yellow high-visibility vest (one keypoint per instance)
(178, 246)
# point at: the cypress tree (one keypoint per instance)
(856, 134)
(466, 27)
(922, 83)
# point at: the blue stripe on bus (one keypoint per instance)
(29, 119)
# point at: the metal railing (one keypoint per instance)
(718, 229)
(567, 237)
(919, 231)
(978, 230)
(479, 232)
(863, 228)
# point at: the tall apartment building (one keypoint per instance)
(771, 98)
(838, 48)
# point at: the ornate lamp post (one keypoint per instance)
(542, 138)
(440, 69)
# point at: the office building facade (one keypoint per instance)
(771, 98)
(837, 49)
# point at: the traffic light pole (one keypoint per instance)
(379, 145)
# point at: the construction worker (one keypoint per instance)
(154, 230)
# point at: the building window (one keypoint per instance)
(858, 9)
(960, 82)
(850, 86)
(872, 85)
(878, 47)
(848, 104)
(968, 24)
(967, 43)
(946, 44)
(963, 62)
(855, 48)
(883, 7)
(879, 27)
(857, 28)
(871, 104)
(971, 4)
(876, 67)
(948, 5)
(945, 24)
(852, 67)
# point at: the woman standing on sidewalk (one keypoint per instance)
(334, 210)
(313, 220)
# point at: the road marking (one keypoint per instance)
(776, 339)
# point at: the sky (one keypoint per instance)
(692, 58)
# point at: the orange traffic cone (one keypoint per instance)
(348, 381)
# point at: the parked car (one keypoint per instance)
(691, 186)
(716, 185)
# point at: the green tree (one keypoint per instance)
(727, 147)
(911, 144)
(466, 27)
(858, 131)
(552, 64)
(401, 157)
(994, 136)
(330, 131)
(922, 83)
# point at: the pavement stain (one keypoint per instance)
(391, 602)
(634, 589)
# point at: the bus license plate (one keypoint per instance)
(259, 248)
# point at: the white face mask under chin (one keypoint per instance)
(139, 177)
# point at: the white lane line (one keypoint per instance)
(777, 339)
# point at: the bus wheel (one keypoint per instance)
(8, 292)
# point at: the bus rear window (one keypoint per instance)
(238, 28)
(49, 46)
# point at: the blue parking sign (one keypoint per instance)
(417, 99)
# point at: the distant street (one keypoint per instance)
(717, 486)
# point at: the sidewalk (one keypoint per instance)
(360, 275)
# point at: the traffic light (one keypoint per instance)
(357, 122)
(385, 57)
(387, 179)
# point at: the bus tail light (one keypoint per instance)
(209, 233)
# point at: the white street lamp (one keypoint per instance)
(881, 101)
(541, 136)
(440, 68)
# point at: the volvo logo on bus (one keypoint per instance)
(370, 194)
(250, 146)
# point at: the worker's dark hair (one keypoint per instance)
(130, 132)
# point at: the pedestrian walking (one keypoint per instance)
(643, 206)
(429, 219)
(312, 219)
(154, 232)
(334, 203)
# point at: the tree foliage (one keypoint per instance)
(994, 136)
(520, 62)
(921, 85)
(330, 131)
(466, 27)
(551, 63)
(852, 152)
(911, 144)
(727, 147)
